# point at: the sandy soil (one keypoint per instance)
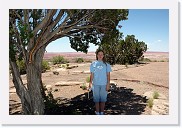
(126, 99)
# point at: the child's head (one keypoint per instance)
(100, 55)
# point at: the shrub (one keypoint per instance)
(146, 60)
(155, 95)
(126, 65)
(88, 79)
(50, 102)
(122, 51)
(59, 60)
(79, 60)
(21, 66)
(63, 66)
(45, 66)
(162, 60)
(84, 87)
(150, 102)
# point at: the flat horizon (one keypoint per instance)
(94, 51)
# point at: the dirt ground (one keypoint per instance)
(126, 99)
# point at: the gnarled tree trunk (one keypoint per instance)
(32, 97)
(34, 83)
(21, 90)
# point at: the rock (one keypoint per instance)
(73, 66)
(166, 104)
(12, 90)
(63, 83)
(115, 69)
(76, 72)
(63, 66)
(60, 69)
(56, 90)
(55, 73)
(113, 85)
(48, 86)
(87, 72)
(113, 82)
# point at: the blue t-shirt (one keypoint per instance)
(100, 70)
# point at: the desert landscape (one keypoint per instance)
(132, 87)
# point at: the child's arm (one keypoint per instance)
(91, 78)
(108, 81)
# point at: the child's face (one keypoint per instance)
(100, 55)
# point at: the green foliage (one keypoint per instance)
(91, 26)
(106, 31)
(59, 60)
(84, 87)
(145, 60)
(150, 102)
(63, 65)
(31, 30)
(155, 95)
(126, 65)
(88, 79)
(162, 60)
(120, 51)
(21, 66)
(45, 66)
(50, 102)
(79, 60)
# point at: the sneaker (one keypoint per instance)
(101, 113)
(97, 113)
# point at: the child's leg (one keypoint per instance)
(97, 106)
(103, 94)
(96, 97)
(102, 106)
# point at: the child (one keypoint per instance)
(100, 81)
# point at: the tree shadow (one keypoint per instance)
(121, 101)
(14, 108)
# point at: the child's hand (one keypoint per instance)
(90, 86)
(107, 87)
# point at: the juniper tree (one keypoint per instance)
(31, 30)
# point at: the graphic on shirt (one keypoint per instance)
(99, 70)
(100, 67)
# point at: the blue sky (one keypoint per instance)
(148, 25)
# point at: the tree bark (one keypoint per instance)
(32, 97)
(34, 82)
(21, 90)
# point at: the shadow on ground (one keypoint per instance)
(121, 101)
(14, 108)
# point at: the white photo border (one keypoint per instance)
(171, 119)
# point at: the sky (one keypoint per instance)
(148, 25)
